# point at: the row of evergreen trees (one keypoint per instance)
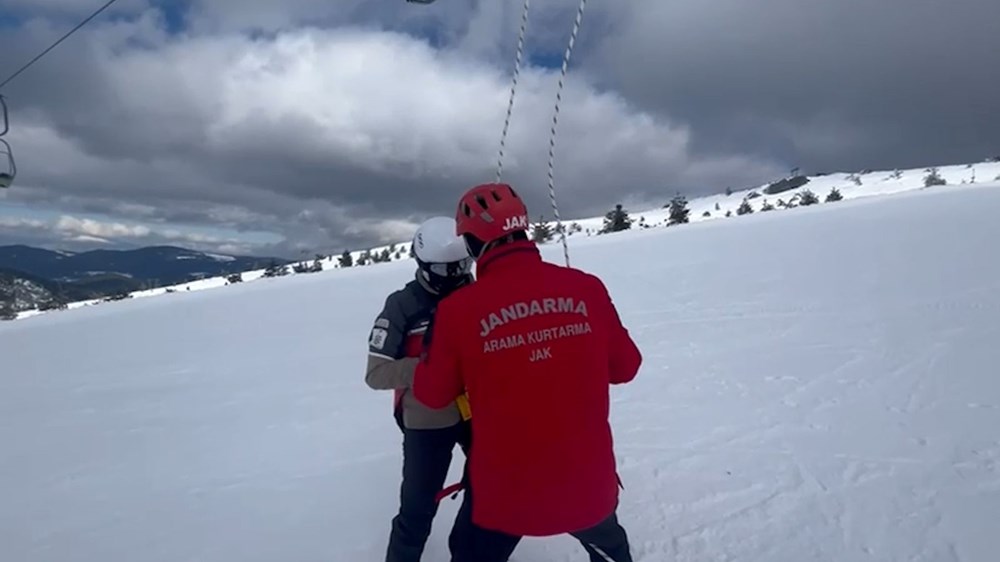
(618, 218)
(369, 257)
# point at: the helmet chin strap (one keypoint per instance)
(474, 246)
(477, 248)
(424, 277)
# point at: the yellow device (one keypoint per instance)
(463, 406)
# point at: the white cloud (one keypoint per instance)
(384, 232)
(386, 103)
(91, 227)
(369, 130)
(83, 229)
(84, 238)
(19, 222)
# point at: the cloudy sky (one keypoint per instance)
(278, 127)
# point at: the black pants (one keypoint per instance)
(427, 455)
(606, 542)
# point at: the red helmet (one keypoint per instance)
(491, 211)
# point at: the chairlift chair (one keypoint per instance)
(4, 126)
(8, 170)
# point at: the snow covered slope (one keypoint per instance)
(849, 185)
(818, 385)
(712, 207)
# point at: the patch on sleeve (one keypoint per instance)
(378, 337)
(382, 323)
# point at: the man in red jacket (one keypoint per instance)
(535, 346)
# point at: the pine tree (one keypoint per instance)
(541, 232)
(834, 195)
(346, 260)
(933, 178)
(616, 220)
(807, 197)
(678, 211)
(744, 208)
(273, 270)
(765, 206)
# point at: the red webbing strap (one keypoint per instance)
(453, 489)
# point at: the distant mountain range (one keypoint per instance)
(72, 276)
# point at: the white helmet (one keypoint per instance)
(441, 254)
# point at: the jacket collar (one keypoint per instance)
(430, 291)
(424, 285)
(510, 254)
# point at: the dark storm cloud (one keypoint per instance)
(153, 163)
(159, 129)
(845, 84)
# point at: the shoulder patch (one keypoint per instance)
(378, 337)
(382, 323)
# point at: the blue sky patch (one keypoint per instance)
(174, 14)
(548, 59)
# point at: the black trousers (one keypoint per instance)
(427, 456)
(606, 542)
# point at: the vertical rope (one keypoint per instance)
(513, 86)
(555, 124)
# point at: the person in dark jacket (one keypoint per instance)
(394, 346)
(536, 347)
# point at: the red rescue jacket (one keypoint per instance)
(536, 346)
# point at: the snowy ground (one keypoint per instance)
(708, 208)
(819, 385)
(850, 185)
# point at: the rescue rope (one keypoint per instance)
(555, 123)
(513, 85)
(555, 117)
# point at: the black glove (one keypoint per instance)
(428, 334)
(467, 279)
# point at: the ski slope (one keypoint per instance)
(818, 385)
(857, 185)
(854, 185)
